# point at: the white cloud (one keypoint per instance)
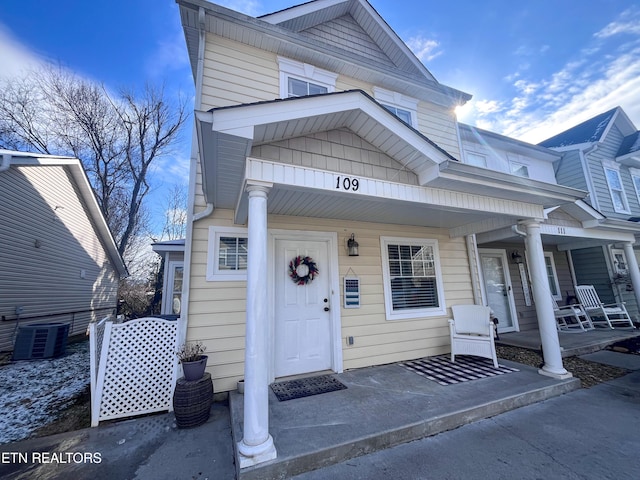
(627, 23)
(425, 49)
(14, 57)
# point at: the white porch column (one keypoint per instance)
(257, 444)
(544, 308)
(634, 273)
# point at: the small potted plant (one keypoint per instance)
(191, 356)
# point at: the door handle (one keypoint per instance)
(326, 309)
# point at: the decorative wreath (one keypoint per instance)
(302, 270)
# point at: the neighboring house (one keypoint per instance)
(602, 156)
(317, 128)
(58, 260)
(172, 253)
(567, 229)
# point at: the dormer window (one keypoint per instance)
(403, 107)
(299, 79)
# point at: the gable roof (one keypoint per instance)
(630, 145)
(593, 130)
(308, 18)
(87, 197)
(380, 59)
(589, 131)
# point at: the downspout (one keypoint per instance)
(6, 162)
(195, 154)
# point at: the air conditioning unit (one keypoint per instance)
(44, 340)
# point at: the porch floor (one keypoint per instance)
(384, 406)
(571, 344)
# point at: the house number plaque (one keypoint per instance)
(347, 183)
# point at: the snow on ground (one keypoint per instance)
(33, 391)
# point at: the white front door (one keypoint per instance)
(302, 311)
(498, 288)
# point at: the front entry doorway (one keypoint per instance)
(498, 288)
(303, 322)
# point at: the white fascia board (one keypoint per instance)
(241, 120)
(299, 11)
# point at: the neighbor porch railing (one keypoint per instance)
(133, 367)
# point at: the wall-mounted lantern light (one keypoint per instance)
(352, 246)
(516, 257)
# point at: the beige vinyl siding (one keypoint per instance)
(337, 151)
(235, 74)
(439, 125)
(39, 206)
(217, 309)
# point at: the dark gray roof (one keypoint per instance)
(630, 144)
(586, 132)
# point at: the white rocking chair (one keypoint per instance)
(578, 319)
(614, 313)
(472, 332)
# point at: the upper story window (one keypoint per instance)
(403, 107)
(227, 254)
(635, 178)
(616, 189)
(520, 169)
(299, 79)
(476, 159)
(412, 278)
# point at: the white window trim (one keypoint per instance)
(635, 173)
(555, 275)
(617, 270)
(616, 168)
(305, 72)
(386, 276)
(513, 165)
(213, 251)
(170, 272)
(398, 100)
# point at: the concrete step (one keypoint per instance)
(383, 407)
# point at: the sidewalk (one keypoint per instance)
(382, 407)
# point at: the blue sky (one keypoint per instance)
(534, 67)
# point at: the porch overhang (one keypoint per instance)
(227, 134)
(463, 198)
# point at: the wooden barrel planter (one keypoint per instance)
(192, 401)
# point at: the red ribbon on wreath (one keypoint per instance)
(297, 274)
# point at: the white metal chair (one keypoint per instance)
(472, 332)
(614, 313)
(571, 318)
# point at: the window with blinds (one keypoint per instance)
(412, 280)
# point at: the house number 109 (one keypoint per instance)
(347, 183)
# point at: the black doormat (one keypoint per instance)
(628, 345)
(306, 387)
(442, 370)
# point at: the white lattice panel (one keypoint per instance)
(136, 372)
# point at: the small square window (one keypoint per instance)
(520, 170)
(476, 159)
(227, 254)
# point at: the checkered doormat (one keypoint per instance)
(440, 369)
